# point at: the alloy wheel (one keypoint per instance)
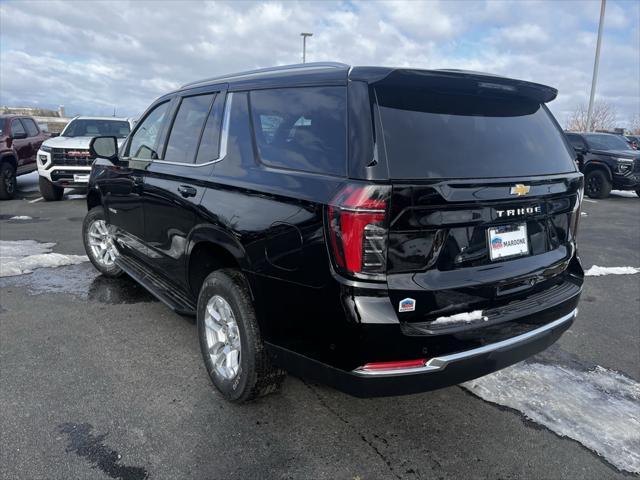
(101, 242)
(222, 337)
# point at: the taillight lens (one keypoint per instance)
(358, 229)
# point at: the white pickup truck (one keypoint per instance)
(65, 161)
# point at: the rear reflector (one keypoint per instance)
(394, 365)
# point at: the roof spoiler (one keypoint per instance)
(455, 80)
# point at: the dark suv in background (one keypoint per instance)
(607, 161)
(384, 231)
(20, 139)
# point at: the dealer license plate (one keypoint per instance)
(508, 241)
(80, 178)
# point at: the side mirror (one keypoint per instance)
(104, 147)
(19, 135)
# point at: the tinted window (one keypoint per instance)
(606, 142)
(575, 140)
(16, 127)
(301, 128)
(452, 135)
(187, 128)
(210, 141)
(31, 127)
(95, 127)
(145, 139)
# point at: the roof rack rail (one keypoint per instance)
(269, 70)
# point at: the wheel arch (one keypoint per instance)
(597, 165)
(11, 158)
(94, 198)
(210, 248)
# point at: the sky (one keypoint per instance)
(94, 57)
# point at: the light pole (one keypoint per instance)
(594, 79)
(304, 45)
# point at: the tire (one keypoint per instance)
(7, 181)
(252, 375)
(597, 184)
(49, 191)
(97, 237)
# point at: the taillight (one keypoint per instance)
(358, 229)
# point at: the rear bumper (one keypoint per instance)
(438, 372)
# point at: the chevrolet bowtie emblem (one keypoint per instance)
(519, 189)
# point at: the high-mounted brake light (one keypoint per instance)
(358, 229)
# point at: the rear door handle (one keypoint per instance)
(187, 191)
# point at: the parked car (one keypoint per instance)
(65, 162)
(634, 141)
(20, 139)
(607, 162)
(385, 231)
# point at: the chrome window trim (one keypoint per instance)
(224, 136)
(440, 363)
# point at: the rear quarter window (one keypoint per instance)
(301, 128)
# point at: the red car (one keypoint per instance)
(20, 139)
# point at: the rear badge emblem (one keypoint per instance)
(519, 189)
(407, 305)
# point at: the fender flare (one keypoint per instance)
(598, 165)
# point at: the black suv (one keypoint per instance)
(384, 231)
(607, 161)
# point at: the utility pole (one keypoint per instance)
(594, 79)
(304, 45)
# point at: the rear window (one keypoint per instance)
(452, 135)
(301, 128)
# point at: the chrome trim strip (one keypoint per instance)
(224, 137)
(440, 363)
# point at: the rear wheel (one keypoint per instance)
(49, 191)
(7, 181)
(597, 184)
(99, 242)
(230, 340)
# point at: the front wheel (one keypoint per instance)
(49, 191)
(7, 181)
(597, 184)
(99, 242)
(232, 348)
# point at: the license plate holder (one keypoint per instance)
(507, 241)
(81, 178)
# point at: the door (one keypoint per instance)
(21, 144)
(33, 136)
(174, 185)
(123, 190)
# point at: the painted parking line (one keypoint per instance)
(590, 201)
(36, 200)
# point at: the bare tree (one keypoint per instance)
(603, 117)
(634, 124)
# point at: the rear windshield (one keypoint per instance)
(431, 134)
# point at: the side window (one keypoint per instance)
(575, 141)
(16, 127)
(301, 128)
(31, 127)
(187, 128)
(144, 141)
(210, 143)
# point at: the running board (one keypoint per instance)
(168, 294)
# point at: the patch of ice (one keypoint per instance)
(21, 217)
(597, 271)
(23, 256)
(599, 408)
(466, 317)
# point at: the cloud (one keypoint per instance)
(94, 56)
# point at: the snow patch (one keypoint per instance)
(624, 193)
(23, 256)
(466, 317)
(21, 217)
(599, 408)
(597, 271)
(584, 214)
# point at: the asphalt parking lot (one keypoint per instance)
(98, 380)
